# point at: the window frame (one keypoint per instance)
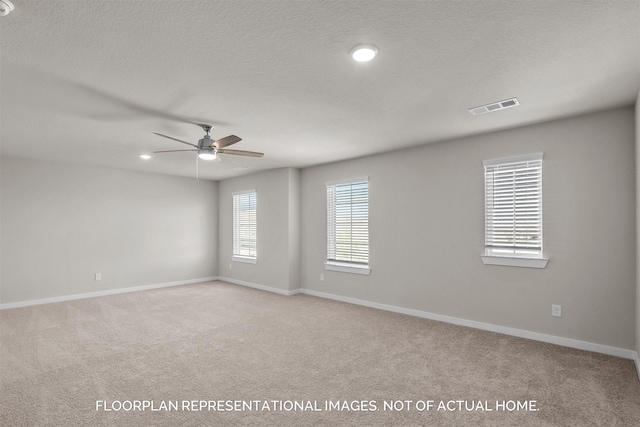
(236, 239)
(341, 265)
(515, 255)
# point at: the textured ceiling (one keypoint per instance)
(89, 81)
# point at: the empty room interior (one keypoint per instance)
(319, 213)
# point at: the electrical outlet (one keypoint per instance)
(321, 277)
(556, 310)
(98, 276)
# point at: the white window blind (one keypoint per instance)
(348, 222)
(244, 224)
(513, 205)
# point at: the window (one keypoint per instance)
(348, 226)
(513, 211)
(244, 226)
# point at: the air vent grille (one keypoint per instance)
(494, 106)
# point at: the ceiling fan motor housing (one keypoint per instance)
(205, 142)
(204, 146)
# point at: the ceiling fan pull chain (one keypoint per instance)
(197, 164)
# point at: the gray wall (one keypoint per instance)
(638, 227)
(278, 231)
(427, 230)
(295, 275)
(63, 223)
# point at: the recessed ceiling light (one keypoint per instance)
(364, 52)
(145, 156)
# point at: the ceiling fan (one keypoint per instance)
(208, 149)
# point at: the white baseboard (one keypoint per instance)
(261, 287)
(103, 293)
(552, 339)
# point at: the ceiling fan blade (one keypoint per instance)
(241, 153)
(226, 141)
(172, 151)
(178, 140)
(127, 105)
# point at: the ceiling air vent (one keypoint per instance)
(494, 106)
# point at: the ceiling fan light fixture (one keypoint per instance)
(363, 52)
(145, 156)
(208, 155)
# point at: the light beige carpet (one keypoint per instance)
(216, 341)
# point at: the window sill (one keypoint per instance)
(515, 261)
(246, 260)
(347, 268)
